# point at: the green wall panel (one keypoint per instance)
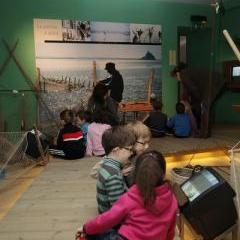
(17, 23)
(224, 113)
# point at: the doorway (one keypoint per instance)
(194, 49)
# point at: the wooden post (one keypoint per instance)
(69, 84)
(150, 80)
(11, 51)
(30, 82)
(94, 73)
(1, 118)
(37, 98)
(75, 83)
(23, 112)
(40, 149)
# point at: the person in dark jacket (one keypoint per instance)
(100, 101)
(114, 83)
(191, 90)
(156, 120)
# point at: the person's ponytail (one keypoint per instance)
(150, 172)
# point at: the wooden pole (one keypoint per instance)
(231, 44)
(23, 112)
(39, 145)
(8, 58)
(94, 73)
(30, 83)
(1, 117)
(39, 88)
(150, 81)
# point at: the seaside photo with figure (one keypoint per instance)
(68, 71)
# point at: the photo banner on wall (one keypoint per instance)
(71, 57)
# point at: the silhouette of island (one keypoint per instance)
(148, 56)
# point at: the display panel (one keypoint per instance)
(236, 72)
(71, 55)
(198, 184)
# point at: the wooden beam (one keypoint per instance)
(30, 83)
(5, 63)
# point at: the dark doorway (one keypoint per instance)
(194, 49)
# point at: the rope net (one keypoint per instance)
(13, 161)
(53, 103)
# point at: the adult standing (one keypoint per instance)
(191, 91)
(114, 84)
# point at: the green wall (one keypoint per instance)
(223, 111)
(17, 23)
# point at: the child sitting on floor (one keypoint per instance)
(143, 136)
(95, 131)
(83, 120)
(156, 120)
(146, 212)
(180, 122)
(70, 138)
(118, 144)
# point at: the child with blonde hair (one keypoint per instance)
(143, 136)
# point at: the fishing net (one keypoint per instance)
(14, 162)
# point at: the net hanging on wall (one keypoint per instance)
(14, 162)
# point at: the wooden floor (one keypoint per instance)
(57, 202)
(221, 137)
(62, 196)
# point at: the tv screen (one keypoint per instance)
(198, 184)
(236, 72)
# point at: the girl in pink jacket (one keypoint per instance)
(146, 212)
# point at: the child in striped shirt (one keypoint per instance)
(118, 144)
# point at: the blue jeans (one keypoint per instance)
(109, 235)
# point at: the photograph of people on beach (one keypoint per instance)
(145, 33)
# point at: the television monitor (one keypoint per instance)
(236, 72)
(200, 183)
(232, 74)
(210, 207)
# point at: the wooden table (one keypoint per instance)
(135, 107)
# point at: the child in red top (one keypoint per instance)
(70, 144)
(147, 211)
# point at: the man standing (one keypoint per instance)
(191, 92)
(114, 83)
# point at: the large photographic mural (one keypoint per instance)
(71, 57)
